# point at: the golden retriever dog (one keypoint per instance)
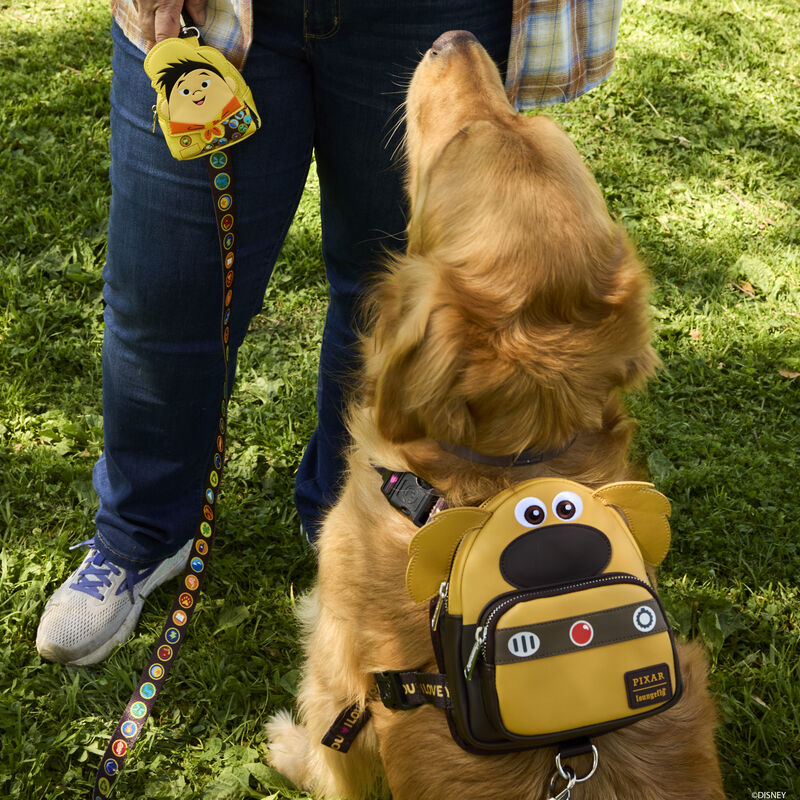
(514, 320)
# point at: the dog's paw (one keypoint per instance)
(288, 748)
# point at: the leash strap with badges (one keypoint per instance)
(226, 117)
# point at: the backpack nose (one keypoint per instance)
(555, 554)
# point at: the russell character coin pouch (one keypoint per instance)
(203, 103)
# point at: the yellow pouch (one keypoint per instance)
(203, 103)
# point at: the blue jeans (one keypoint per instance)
(326, 81)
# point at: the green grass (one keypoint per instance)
(695, 141)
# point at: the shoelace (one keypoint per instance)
(95, 577)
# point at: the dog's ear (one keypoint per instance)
(418, 369)
(395, 417)
(646, 512)
(630, 294)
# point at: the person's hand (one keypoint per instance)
(160, 19)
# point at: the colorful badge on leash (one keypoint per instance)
(203, 103)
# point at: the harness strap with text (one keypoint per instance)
(346, 727)
(403, 690)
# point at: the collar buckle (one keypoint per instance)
(410, 495)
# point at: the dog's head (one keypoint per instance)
(519, 306)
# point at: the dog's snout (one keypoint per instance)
(451, 39)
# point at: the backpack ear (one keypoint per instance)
(646, 512)
(433, 546)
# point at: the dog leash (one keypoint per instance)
(142, 701)
(140, 705)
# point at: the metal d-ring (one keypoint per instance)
(595, 761)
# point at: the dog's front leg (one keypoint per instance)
(323, 772)
(331, 683)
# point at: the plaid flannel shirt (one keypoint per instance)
(559, 48)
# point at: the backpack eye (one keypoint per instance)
(530, 512)
(567, 505)
(184, 92)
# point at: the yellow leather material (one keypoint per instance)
(573, 690)
(432, 548)
(647, 513)
(476, 577)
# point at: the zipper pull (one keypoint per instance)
(440, 603)
(480, 640)
(155, 117)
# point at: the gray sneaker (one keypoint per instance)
(98, 606)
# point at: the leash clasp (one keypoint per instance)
(569, 775)
(188, 28)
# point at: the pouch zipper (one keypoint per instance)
(489, 614)
(481, 632)
(441, 604)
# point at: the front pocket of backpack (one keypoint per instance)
(580, 658)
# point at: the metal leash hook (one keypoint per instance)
(568, 774)
(188, 28)
(569, 777)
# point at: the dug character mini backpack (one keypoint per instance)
(547, 628)
(203, 103)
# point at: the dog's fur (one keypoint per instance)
(514, 320)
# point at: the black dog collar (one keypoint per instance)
(418, 500)
(523, 459)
